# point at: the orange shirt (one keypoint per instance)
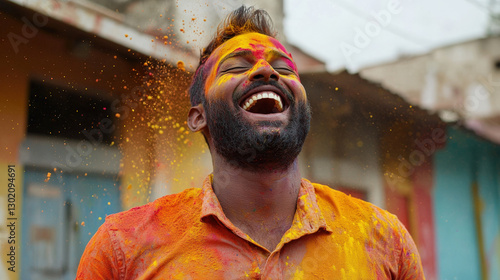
(187, 236)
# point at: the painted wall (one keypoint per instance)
(464, 220)
(154, 118)
(50, 58)
(462, 81)
(423, 184)
(408, 172)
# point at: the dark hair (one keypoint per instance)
(240, 21)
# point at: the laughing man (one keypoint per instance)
(254, 217)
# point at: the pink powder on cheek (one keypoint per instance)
(297, 84)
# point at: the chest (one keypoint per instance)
(225, 256)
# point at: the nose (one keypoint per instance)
(264, 71)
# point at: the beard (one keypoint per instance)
(244, 146)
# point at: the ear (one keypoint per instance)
(196, 118)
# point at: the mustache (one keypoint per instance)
(288, 95)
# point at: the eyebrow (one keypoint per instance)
(246, 53)
(242, 53)
(280, 54)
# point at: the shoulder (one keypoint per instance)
(121, 240)
(338, 205)
(162, 210)
(381, 231)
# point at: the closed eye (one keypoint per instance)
(235, 69)
(284, 70)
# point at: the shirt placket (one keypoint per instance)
(307, 220)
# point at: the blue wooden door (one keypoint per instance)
(58, 219)
(467, 220)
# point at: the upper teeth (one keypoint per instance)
(252, 100)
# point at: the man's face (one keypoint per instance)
(257, 110)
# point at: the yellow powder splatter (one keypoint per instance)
(298, 274)
(48, 177)
(180, 65)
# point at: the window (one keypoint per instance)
(65, 112)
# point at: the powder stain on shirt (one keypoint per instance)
(187, 236)
(298, 275)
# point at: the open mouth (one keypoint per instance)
(264, 102)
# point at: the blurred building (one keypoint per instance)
(85, 101)
(94, 107)
(461, 83)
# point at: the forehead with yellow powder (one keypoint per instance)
(262, 47)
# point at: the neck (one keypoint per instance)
(259, 203)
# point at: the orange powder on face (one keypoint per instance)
(258, 44)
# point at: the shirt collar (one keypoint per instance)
(211, 205)
(308, 217)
